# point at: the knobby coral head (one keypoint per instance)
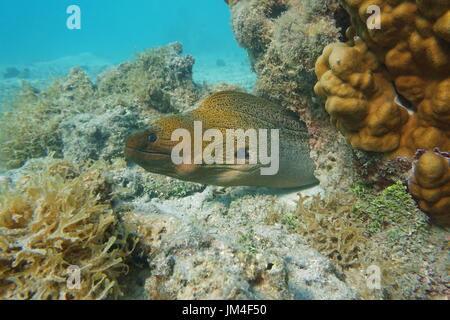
(430, 184)
(364, 80)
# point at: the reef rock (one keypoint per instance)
(197, 253)
(90, 136)
(160, 78)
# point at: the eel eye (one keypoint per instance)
(152, 137)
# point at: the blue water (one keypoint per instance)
(35, 30)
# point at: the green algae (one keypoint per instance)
(385, 229)
(392, 210)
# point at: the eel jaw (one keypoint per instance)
(156, 162)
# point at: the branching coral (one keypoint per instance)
(430, 184)
(60, 216)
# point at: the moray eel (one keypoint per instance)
(152, 148)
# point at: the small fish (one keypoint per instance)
(152, 148)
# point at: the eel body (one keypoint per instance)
(152, 148)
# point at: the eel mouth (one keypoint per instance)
(156, 162)
(129, 150)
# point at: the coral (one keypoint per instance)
(160, 78)
(360, 100)
(412, 264)
(430, 184)
(408, 54)
(91, 136)
(362, 103)
(58, 216)
(413, 45)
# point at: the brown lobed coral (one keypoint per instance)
(410, 55)
(360, 100)
(430, 184)
(55, 218)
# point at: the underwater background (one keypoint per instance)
(39, 41)
(79, 220)
(114, 30)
